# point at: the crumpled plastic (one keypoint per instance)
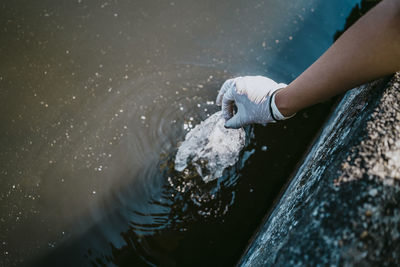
(210, 148)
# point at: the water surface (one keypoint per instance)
(96, 95)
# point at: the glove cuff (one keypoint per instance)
(276, 114)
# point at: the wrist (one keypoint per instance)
(283, 104)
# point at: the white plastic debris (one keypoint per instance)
(210, 148)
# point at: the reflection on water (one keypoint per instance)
(95, 97)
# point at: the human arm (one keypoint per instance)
(366, 51)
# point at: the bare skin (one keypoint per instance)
(368, 50)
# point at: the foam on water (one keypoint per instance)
(210, 148)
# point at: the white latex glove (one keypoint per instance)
(252, 96)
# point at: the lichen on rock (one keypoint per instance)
(378, 154)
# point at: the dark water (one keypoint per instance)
(95, 96)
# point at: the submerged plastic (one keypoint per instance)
(210, 148)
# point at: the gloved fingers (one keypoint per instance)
(225, 87)
(235, 122)
(228, 103)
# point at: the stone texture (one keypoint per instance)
(342, 207)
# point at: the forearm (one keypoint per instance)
(366, 51)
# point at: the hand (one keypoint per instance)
(252, 97)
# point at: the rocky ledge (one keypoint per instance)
(342, 207)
